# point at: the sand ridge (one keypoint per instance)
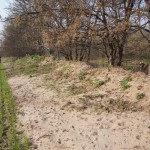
(51, 127)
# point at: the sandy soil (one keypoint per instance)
(50, 127)
(56, 118)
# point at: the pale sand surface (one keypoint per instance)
(50, 126)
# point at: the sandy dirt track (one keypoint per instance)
(50, 127)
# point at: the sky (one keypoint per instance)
(3, 11)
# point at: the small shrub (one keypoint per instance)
(98, 108)
(74, 90)
(92, 97)
(99, 96)
(140, 96)
(125, 83)
(99, 83)
(67, 74)
(37, 58)
(118, 104)
(82, 75)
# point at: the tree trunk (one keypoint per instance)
(120, 56)
(82, 53)
(76, 52)
(112, 57)
(112, 61)
(70, 55)
(88, 54)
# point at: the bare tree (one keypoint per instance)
(73, 28)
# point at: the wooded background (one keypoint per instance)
(77, 29)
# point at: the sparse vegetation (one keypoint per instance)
(125, 83)
(58, 73)
(132, 69)
(99, 83)
(81, 75)
(99, 109)
(118, 104)
(67, 73)
(92, 97)
(31, 65)
(140, 96)
(76, 90)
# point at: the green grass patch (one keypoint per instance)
(140, 96)
(125, 83)
(9, 138)
(132, 69)
(74, 90)
(30, 65)
(82, 75)
(98, 83)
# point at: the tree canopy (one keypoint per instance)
(74, 28)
